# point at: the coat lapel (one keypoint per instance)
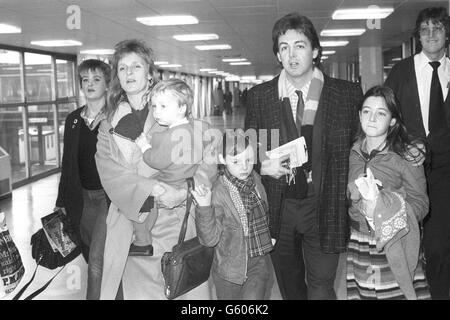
(319, 138)
(411, 82)
(75, 133)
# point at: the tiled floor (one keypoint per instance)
(30, 202)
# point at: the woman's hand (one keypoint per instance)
(202, 195)
(172, 198)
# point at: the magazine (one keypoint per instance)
(57, 235)
(298, 153)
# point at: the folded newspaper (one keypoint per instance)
(296, 149)
(59, 239)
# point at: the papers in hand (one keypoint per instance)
(54, 229)
(296, 149)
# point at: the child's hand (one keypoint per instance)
(142, 142)
(202, 195)
(368, 186)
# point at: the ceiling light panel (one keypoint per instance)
(372, 12)
(243, 63)
(214, 47)
(339, 43)
(98, 51)
(56, 43)
(174, 65)
(7, 28)
(234, 59)
(342, 32)
(167, 20)
(196, 37)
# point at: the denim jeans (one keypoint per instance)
(256, 287)
(93, 234)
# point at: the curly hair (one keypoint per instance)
(180, 90)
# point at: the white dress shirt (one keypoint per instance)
(293, 97)
(424, 73)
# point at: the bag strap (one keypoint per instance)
(38, 291)
(189, 197)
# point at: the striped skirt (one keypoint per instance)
(369, 275)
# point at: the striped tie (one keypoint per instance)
(299, 114)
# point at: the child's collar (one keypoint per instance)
(179, 122)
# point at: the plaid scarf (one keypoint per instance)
(252, 212)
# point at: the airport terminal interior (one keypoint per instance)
(223, 43)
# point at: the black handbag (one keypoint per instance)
(189, 263)
(44, 255)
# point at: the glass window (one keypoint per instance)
(64, 75)
(41, 131)
(63, 111)
(38, 76)
(12, 140)
(10, 84)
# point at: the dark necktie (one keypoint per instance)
(436, 116)
(299, 113)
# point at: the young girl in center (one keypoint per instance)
(388, 195)
(233, 219)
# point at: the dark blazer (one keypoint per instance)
(402, 80)
(69, 192)
(335, 126)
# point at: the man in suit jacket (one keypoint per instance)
(411, 80)
(309, 216)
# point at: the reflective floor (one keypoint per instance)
(35, 200)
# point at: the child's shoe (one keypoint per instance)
(140, 250)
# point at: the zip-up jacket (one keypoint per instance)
(219, 226)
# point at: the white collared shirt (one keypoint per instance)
(293, 97)
(424, 73)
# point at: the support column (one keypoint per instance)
(370, 66)
(334, 70)
(343, 72)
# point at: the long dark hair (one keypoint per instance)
(123, 48)
(398, 139)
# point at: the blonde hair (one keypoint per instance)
(180, 90)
